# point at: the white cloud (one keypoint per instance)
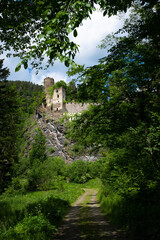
(91, 33)
(39, 78)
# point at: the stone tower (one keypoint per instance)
(58, 97)
(54, 103)
(48, 82)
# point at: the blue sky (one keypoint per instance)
(89, 37)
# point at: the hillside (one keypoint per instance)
(19, 100)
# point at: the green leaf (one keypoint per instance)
(25, 65)
(66, 63)
(88, 5)
(75, 33)
(18, 67)
(69, 30)
(49, 32)
(105, 12)
(41, 36)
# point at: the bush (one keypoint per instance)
(51, 150)
(17, 185)
(77, 148)
(78, 171)
(55, 182)
(52, 173)
(65, 143)
(52, 208)
(35, 175)
(138, 213)
(46, 175)
(38, 150)
(30, 228)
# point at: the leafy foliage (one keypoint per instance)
(124, 123)
(38, 147)
(9, 131)
(32, 227)
(78, 172)
(58, 84)
(4, 72)
(37, 28)
(128, 115)
(31, 95)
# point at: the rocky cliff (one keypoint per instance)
(57, 143)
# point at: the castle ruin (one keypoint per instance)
(56, 102)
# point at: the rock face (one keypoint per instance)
(57, 144)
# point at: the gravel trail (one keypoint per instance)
(86, 221)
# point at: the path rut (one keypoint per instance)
(86, 221)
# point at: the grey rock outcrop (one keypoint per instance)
(57, 144)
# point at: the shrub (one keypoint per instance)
(31, 228)
(47, 175)
(64, 101)
(51, 150)
(77, 148)
(35, 175)
(38, 150)
(65, 143)
(78, 171)
(139, 213)
(17, 185)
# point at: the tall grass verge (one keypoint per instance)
(35, 215)
(139, 213)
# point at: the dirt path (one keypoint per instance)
(86, 221)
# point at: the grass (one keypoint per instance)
(50, 206)
(93, 184)
(70, 192)
(138, 214)
(20, 213)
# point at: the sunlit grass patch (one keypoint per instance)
(93, 183)
(50, 206)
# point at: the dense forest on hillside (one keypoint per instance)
(125, 124)
(19, 100)
(29, 94)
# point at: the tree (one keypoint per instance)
(38, 151)
(10, 119)
(71, 91)
(128, 117)
(34, 29)
(37, 157)
(4, 72)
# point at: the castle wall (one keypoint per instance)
(57, 100)
(75, 107)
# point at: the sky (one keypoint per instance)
(89, 37)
